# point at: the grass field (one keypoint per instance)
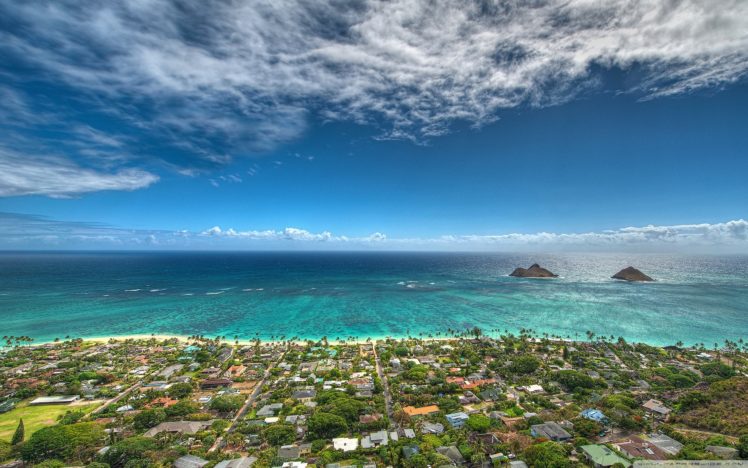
(35, 417)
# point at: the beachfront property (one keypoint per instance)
(292, 403)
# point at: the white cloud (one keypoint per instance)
(250, 73)
(25, 231)
(57, 177)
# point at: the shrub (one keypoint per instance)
(326, 426)
(149, 418)
(280, 434)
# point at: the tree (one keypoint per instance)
(326, 425)
(573, 380)
(5, 450)
(180, 390)
(547, 455)
(74, 441)
(227, 403)
(743, 446)
(280, 434)
(182, 408)
(478, 422)
(18, 436)
(129, 450)
(586, 427)
(149, 418)
(525, 364)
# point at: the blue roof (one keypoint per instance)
(593, 414)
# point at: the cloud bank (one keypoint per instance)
(211, 80)
(19, 231)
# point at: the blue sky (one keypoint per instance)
(409, 124)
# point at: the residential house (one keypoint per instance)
(432, 428)
(665, 443)
(452, 453)
(178, 427)
(457, 420)
(550, 430)
(345, 444)
(636, 447)
(656, 408)
(424, 410)
(594, 415)
(375, 439)
(304, 395)
(242, 462)
(190, 461)
(602, 457)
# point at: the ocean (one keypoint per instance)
(696, 299)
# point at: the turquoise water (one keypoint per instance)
(310, 295)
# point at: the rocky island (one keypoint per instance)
(535, 271)
(631, 274)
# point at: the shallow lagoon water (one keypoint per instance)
(697, 299)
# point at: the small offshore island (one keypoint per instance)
(631, 274)
(463, 400)
(535, 271)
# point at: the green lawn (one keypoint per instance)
(35, 417)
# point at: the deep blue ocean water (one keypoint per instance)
(697, 299)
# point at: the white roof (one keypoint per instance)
(54, 399)
(344, 444)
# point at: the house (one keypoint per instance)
(294, 464)
(345, 444)
(156, 385)
(409, 433)
(178, 427)
(452, 453)
(190, 461)
(457, 420)
(468, 398)
(656, 408)
(375, 439)
(288, 452)
(242, 462)
(215, 383)
(169, 371)
(54, 400)
(534, 389)
(601, 456)
(725, 453)
(424, 410)
(432, 428)
(491, 394)
(551, 431)
(304, 395)
(269, 410)
(409, 451)
(636, 447)
(665, 443)
(594, 415)
(236, 371)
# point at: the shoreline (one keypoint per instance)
(357, 340)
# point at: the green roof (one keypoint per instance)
(602, 455)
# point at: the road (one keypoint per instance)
(247, 404)
(117, 398)
(386, 385)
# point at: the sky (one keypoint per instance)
(360, 124)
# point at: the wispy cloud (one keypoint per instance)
(57, 177)
(27, 231)
(219, 79)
